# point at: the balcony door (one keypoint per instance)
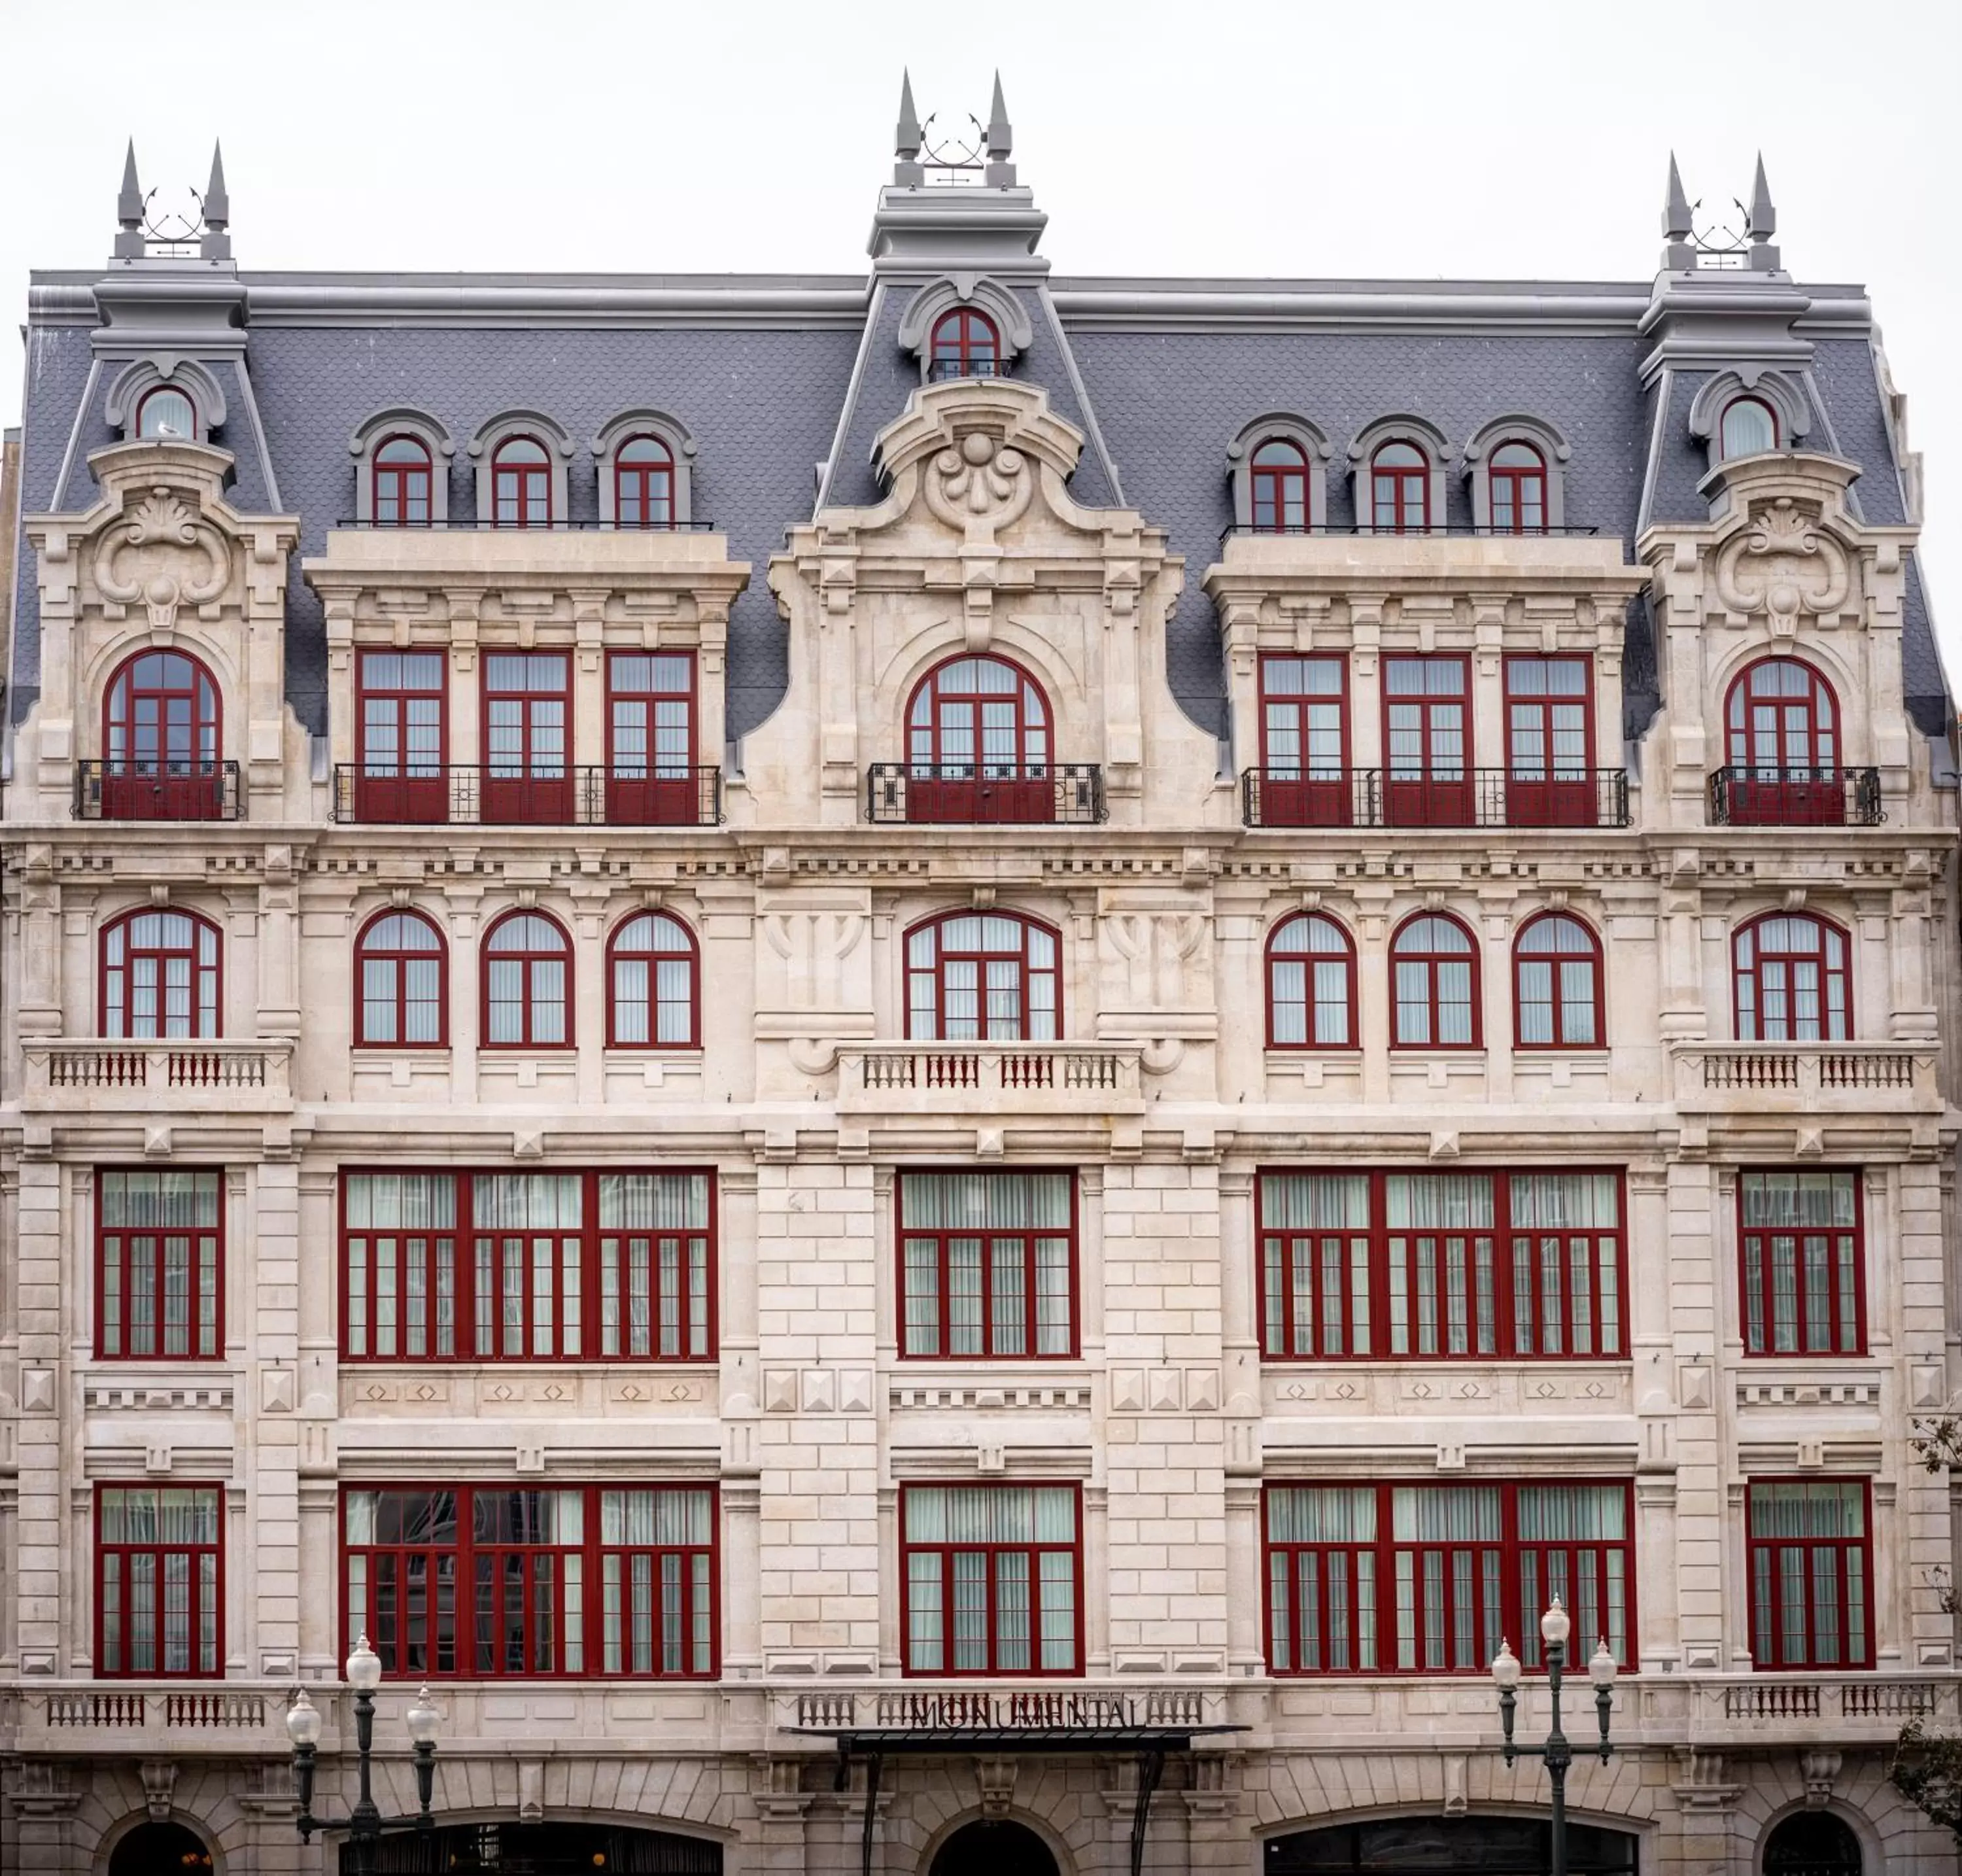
(978, 745)
(527, 718)
(160, 735)
(650, 778)
(1782, 746)
(399, 778)
(1549, 745)
(1427, 742)
(1304, 765)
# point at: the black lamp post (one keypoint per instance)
(1558, 1750)
(365, 1825)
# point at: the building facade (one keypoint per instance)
(942, 1067)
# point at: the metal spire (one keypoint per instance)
(907, 136)
(216, 243)
(1000, 143)
(1675, 208)
(129, 211)
(1763, 223)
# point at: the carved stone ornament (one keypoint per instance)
(163, 553)
(1781, 565)
(981, 478)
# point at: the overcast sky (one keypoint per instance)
(1497, 138)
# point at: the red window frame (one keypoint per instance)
(987, 1333)
(164, 1268)
(1549, 741)
(401, 728)
(423, 1279)
(1406, 948)
(400, 487)
(370, 951)
(996, 968)
(1400, 491)
(115, 1593)
(386, 1586)
(521, 490)
(1277, 472)
(1802, 1280)
(1517, 491)
(1781, 982)
(643, 484)
(527, 731)
(965, 344)
(997, 1637)
(651, 739)
(1305, 780)
(1310, 960)
(1427, 739)
(1833, 1573)
(1782, 744)
(165, 391)
(163, 728)
(977, 754)
(1505, 1580)
(533, 958)
(1723, 448)
(642, 928)
(1539, 1283)
(203, 953)
(1541, 981)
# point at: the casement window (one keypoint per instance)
(983, 977)
(1557, 985)
(402, 477)
(1400, 489)
(1425, 1266)
(1303, 778)
(1517, 484)
(1427, 741)
(160, 977)
(528, 776)
(159, 1265)
(521, 483)
(1434, 974)
(1750, 427)
(1549, 742)
(161, 734)
(167, 415)
(159, 1581)
(458, 1266)
(988, 1264)
(402, 996)
(485, 1582)
(1311, 985)
(993, 1579)
(650, 739)
(527, 983)
(1811, 1573)
(965, 345)
(1277, 474)
(400, 717)
(1384, 1579)
(1782, 748)
(642, 484)
(652, 985)
(1789, 970)
(1803, 1263)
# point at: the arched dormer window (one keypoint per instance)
(161, 977)
(1557, 987)
(167, 415)
(1792, 977)
(644, 460)
(162, 736)
(965, 326)
(1782, 748)
(1749, 428)
(400, 996)
(965, 344)
(642, 484)
(1279, 466)
(527, 983)
(979, 744)
(977, 976)
(1518, 490)
(1434, 981)
(1279, 473)
(520, 459)
(1747, 413)
(401, 470)
(1311, 985)
(1516, 466)
(403, 477)
(164, 398)
(653, 984)
(1398, 464)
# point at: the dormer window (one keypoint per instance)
(965, 344)
(167, 415)
(521, 479)
(643, 484)
(402, 474)
(1750, 428)
(1400, 489)
(1518, 490)
(1278, 472)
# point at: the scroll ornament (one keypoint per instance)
(1783, 565)
(978, 484)
(186, 563)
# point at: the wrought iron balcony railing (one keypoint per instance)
(1453, 530)
(1767, 796)
(940, 370)
(463, 794)
(1475, 797)
(986, 794)
(133, 789)
(490, 524)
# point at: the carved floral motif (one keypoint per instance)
(1783, 565)
(980, 483)
(181, 558)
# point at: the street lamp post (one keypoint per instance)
(1558, 1750)
(364, 1824)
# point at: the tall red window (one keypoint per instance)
(1430, 1579)
(974, 976)
(1517, 478)
(159, 1582)
(527, 713)
(1812, 1590)
(1803, 1263)
(643, 484)
(978, 745)
(1427, 741)
(1311, 985)
(401, 997)
(1400, 489)
(1557, 986)
(650, 739)
(527, 983)
(166, 415)
(528, 1266)
(1277, 475)
(1423, 1266)
(1434, 978)
(484, 1582)
(399, 766)
(1782, 746)
(1750, 427)
(160, 738)
(1304, 742)
(1549, 742)
(160, 977)
(521, 480)
(988, 1263)
(965, 345)
(1789, 971)
(653, 996)
(402, 476)
(159, 1265)
(993, 1578)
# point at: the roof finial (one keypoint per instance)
(129, 210)
(1763, 223)
(1678, 254)
(1000, 143)
(216, 245)
(907, 137)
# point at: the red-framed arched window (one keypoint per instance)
(1516, 479)
(1277, 478)
(527, 983)
(161, 732)
(965, 345)
(166, 415)
(1792, 979)
(402, 474)
(162, 976)
(1400, 489)
(983, 977)
(1311, 985)
(1782, 748)
(979, 744)
(1558, 985)
(400, 987)
(642, 484)
(1748, 428)
(653, 984)
(521, 483)
(1434, 977)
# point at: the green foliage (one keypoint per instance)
(1927, 1771)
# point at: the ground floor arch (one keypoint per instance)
(1431, 1846)
(992, 1846)
(541, 1849)
(160, 1849)
(1812, 1843)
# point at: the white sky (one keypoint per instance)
(1457, 138)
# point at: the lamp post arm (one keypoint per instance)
(1604, 1701)
(303, 1770)
(1508, 1706)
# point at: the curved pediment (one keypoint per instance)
(976, 436)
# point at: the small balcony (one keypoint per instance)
(984, 1077)
(192, 1719)
(476, 795)
(137, 790)
(1806, 1077)
(1476, 797)
(117, 1076)
(1796, 798)
(992, 794)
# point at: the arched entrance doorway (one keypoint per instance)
(1812, 1843)
(1424, 1846)
(155, 1849)
(548, 1849)
(993, 1847)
